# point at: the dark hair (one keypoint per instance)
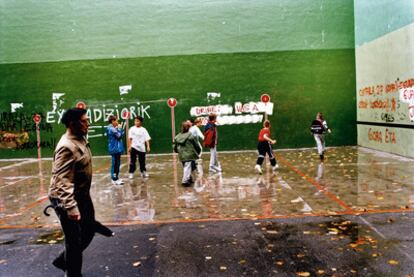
(192, 120)
(185, 126)
(112, 118)
(72, 115)
(139, 118)
(212, 116)
(266, 123)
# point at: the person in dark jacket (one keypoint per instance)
(210, 141)
(69, 192)
(114, 133)
(319, 128)
(188, 149)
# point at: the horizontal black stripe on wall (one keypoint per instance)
(406, 126)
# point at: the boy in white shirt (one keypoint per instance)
(139, 145)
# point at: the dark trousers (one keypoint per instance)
(265, 147)
(141, 159)
(78, 235)
(193, 165)
(116, 163)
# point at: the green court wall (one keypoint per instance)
(299, 52)
(300, 83)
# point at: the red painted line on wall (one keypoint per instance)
(316, 184)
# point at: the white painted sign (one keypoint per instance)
(15, 106)
(101, 114)
(240, 113)
(124, 89)
(57, 101)
(213, 95)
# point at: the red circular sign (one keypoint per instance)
(81, 105)
(125, 114)
(172, 102)
(37, 118)
(265, 98)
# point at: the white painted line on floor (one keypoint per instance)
(306, 207)
(17, 164)
(384, 238)
(283, 183)
(21, 179)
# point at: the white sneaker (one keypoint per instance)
(275, 167)
(117, 182)
(258, 169)
(144, 174)
(131, 176)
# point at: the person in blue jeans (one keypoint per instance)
(114, 133)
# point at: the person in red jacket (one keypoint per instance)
(265, 146)
(210, 141)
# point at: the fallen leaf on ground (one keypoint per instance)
(320, 271)
(393, 262)
(223, 268)
(279, 262)
(208, 258)
(3, 261)
(242, 262)
(303, 274)
(333, 231)
(136, 264)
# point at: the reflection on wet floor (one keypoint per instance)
(350, 180)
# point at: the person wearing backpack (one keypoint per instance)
(210, 141)
(319, 128)
(188, 149)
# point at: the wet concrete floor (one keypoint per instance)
(349, 216)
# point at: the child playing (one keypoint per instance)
(188, 149)
(265, 146)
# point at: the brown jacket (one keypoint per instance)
(71, 172)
